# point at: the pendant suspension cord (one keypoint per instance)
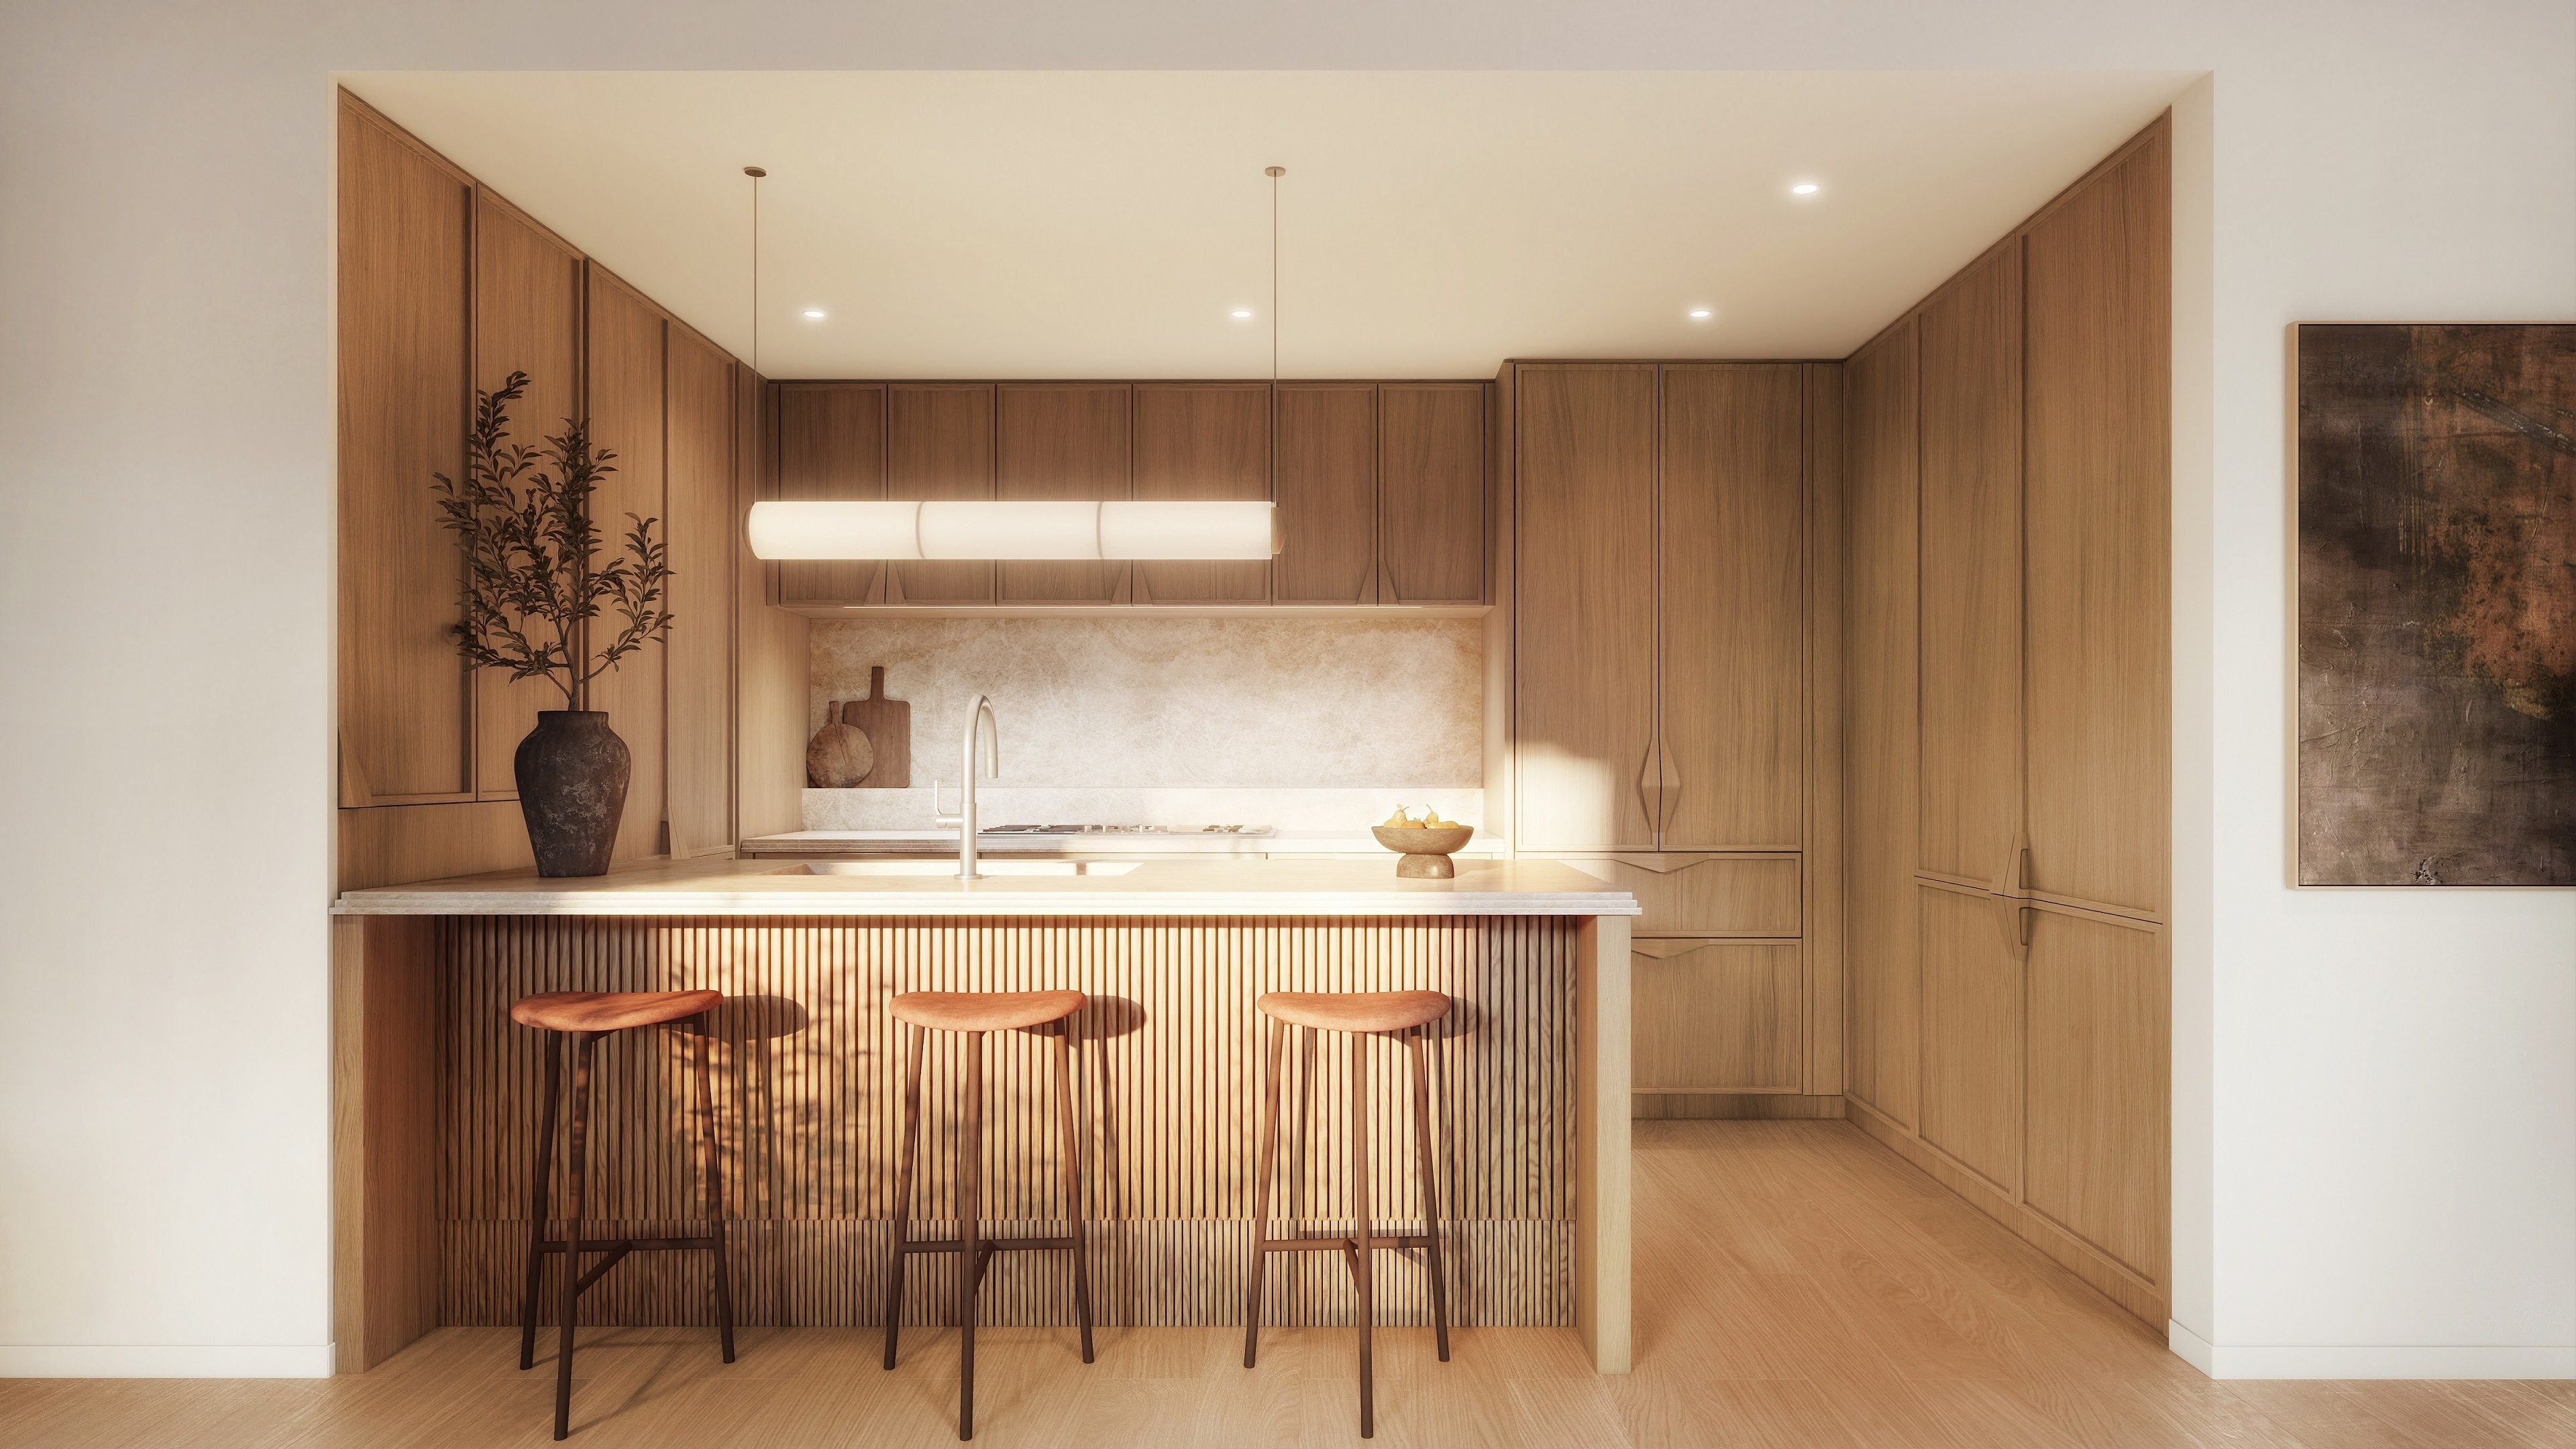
(1274, 173)
(755, 173)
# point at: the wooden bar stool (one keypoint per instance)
(586, 1016)
(1363, 1015)
(975, 1013)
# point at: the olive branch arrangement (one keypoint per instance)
(531, 550)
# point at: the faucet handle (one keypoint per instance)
(942, 817)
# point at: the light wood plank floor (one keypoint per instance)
(1798, 1286)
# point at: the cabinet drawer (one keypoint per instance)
(1718, 1016)
(1700, 895)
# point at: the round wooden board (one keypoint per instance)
(839, 757)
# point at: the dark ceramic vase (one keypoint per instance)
(572, 771)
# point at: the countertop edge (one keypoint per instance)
(393, 901)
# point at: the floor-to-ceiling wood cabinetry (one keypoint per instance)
(1665, 708)
(445, 288)
(2005, 760)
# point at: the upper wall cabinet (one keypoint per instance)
(406, 252)
(1383, 488)
(1660, 617)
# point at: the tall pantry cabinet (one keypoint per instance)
(1665, 553)
(2006, 730)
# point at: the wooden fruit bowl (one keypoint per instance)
(1425, 852)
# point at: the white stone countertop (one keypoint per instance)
(1180, 841)
(1148, 888)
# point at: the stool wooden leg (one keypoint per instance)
(1073, 1180)
(903, 1184)
(1364, 1254)
(537, 1194)
(575, 1136)
(714, 1181)
(1261, 1191)
(970, 1209)
(1430, 1191)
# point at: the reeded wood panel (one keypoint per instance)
(771, 659)
(1878, 725)
(1583, 710)
(939, 446)
(810, 1088)
(1431, 492)
(626, 417)
(831, 446)
(1062, 440)
(2097, 490)
(527, 318)
(1328, 494)
(1972, 1034)
(699, 694)
(1683, 895)
(406, 702)
(2099, 1062)
(1203, 442)
(1733, 606)
(1970, 554)
(1718, 1017)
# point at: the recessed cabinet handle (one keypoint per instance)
(2015, 920)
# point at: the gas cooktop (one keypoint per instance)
(1125, 830)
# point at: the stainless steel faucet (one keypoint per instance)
(978, 714)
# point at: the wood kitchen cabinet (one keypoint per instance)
(698, 661)
(1062, 441)
(939, 447)
(1202, 442)
(1717, 1016)
(1327, 494)
(1432, 493)
(2007, 751)
(831, 448)
(627, 417)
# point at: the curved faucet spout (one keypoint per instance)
(978, 715)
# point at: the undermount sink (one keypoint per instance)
(949, 867)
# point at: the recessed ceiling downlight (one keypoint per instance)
(814, 312)
(1804, 188)
(1701, 314)
(1240, 313)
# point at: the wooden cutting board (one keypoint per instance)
(839, 756)
(888, 724)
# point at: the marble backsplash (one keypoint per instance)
(1210, 717)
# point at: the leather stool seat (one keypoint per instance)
(1355, 1011)
(983, 1010)
(609, 1010)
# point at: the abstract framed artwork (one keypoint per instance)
(2437, 604)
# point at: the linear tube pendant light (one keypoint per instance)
(1019, 529)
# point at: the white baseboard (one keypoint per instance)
(121, 1361)
(2371, 1361)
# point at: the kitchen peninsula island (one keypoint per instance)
(437, 1092)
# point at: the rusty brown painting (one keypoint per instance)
(2437, 605)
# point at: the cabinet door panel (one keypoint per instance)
(1971, 571)
(2098, 440)
(406, 703)
(1431, 490)
(527, 318)
(1062, 441)
(626, 417)
(1203, 442)
(1584, 616)
(1878, 722)
(1728, 896)
(1734, 606)
(1718, 1017)
(2100, 1063)
(1328, 494)
(1971, 1033)
(831, 445)
(698, 698)
(939, 446)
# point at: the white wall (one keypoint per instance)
(2376, 1107)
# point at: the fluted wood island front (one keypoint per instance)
(437, 1092)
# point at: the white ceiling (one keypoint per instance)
(1103, 224)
